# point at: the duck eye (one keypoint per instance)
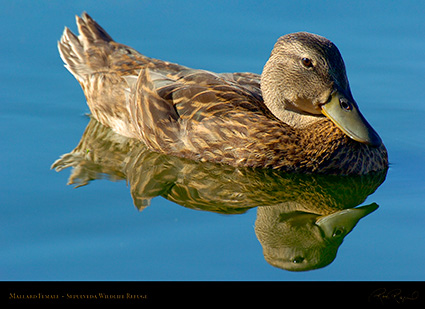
(298, 259)
(307, 62)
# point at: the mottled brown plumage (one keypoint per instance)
(241, 119)
(301, 219)
(102, 153)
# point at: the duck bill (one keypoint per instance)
(342, 222)
(346, 115)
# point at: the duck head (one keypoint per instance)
(300, 241)
(305, 79)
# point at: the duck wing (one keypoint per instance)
(201, 115)
(189, 113)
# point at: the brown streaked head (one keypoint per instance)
(306, 76)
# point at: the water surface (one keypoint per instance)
(183, 221)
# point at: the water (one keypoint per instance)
(51, 231)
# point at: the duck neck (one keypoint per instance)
(295, 119)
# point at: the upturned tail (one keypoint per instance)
(76, 52)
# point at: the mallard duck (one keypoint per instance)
(301, 220)
(102, 153)
(298, 116)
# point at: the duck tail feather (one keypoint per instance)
(90, 31)
(74, 49)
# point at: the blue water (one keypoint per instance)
(51, 231)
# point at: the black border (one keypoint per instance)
(195, 293)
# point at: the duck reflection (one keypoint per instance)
(301, 219)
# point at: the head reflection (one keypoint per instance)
(300, 241)
(301, 219)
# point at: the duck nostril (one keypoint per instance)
(345, 105)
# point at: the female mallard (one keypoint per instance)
(302, 118)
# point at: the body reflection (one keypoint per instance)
(301, 219)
